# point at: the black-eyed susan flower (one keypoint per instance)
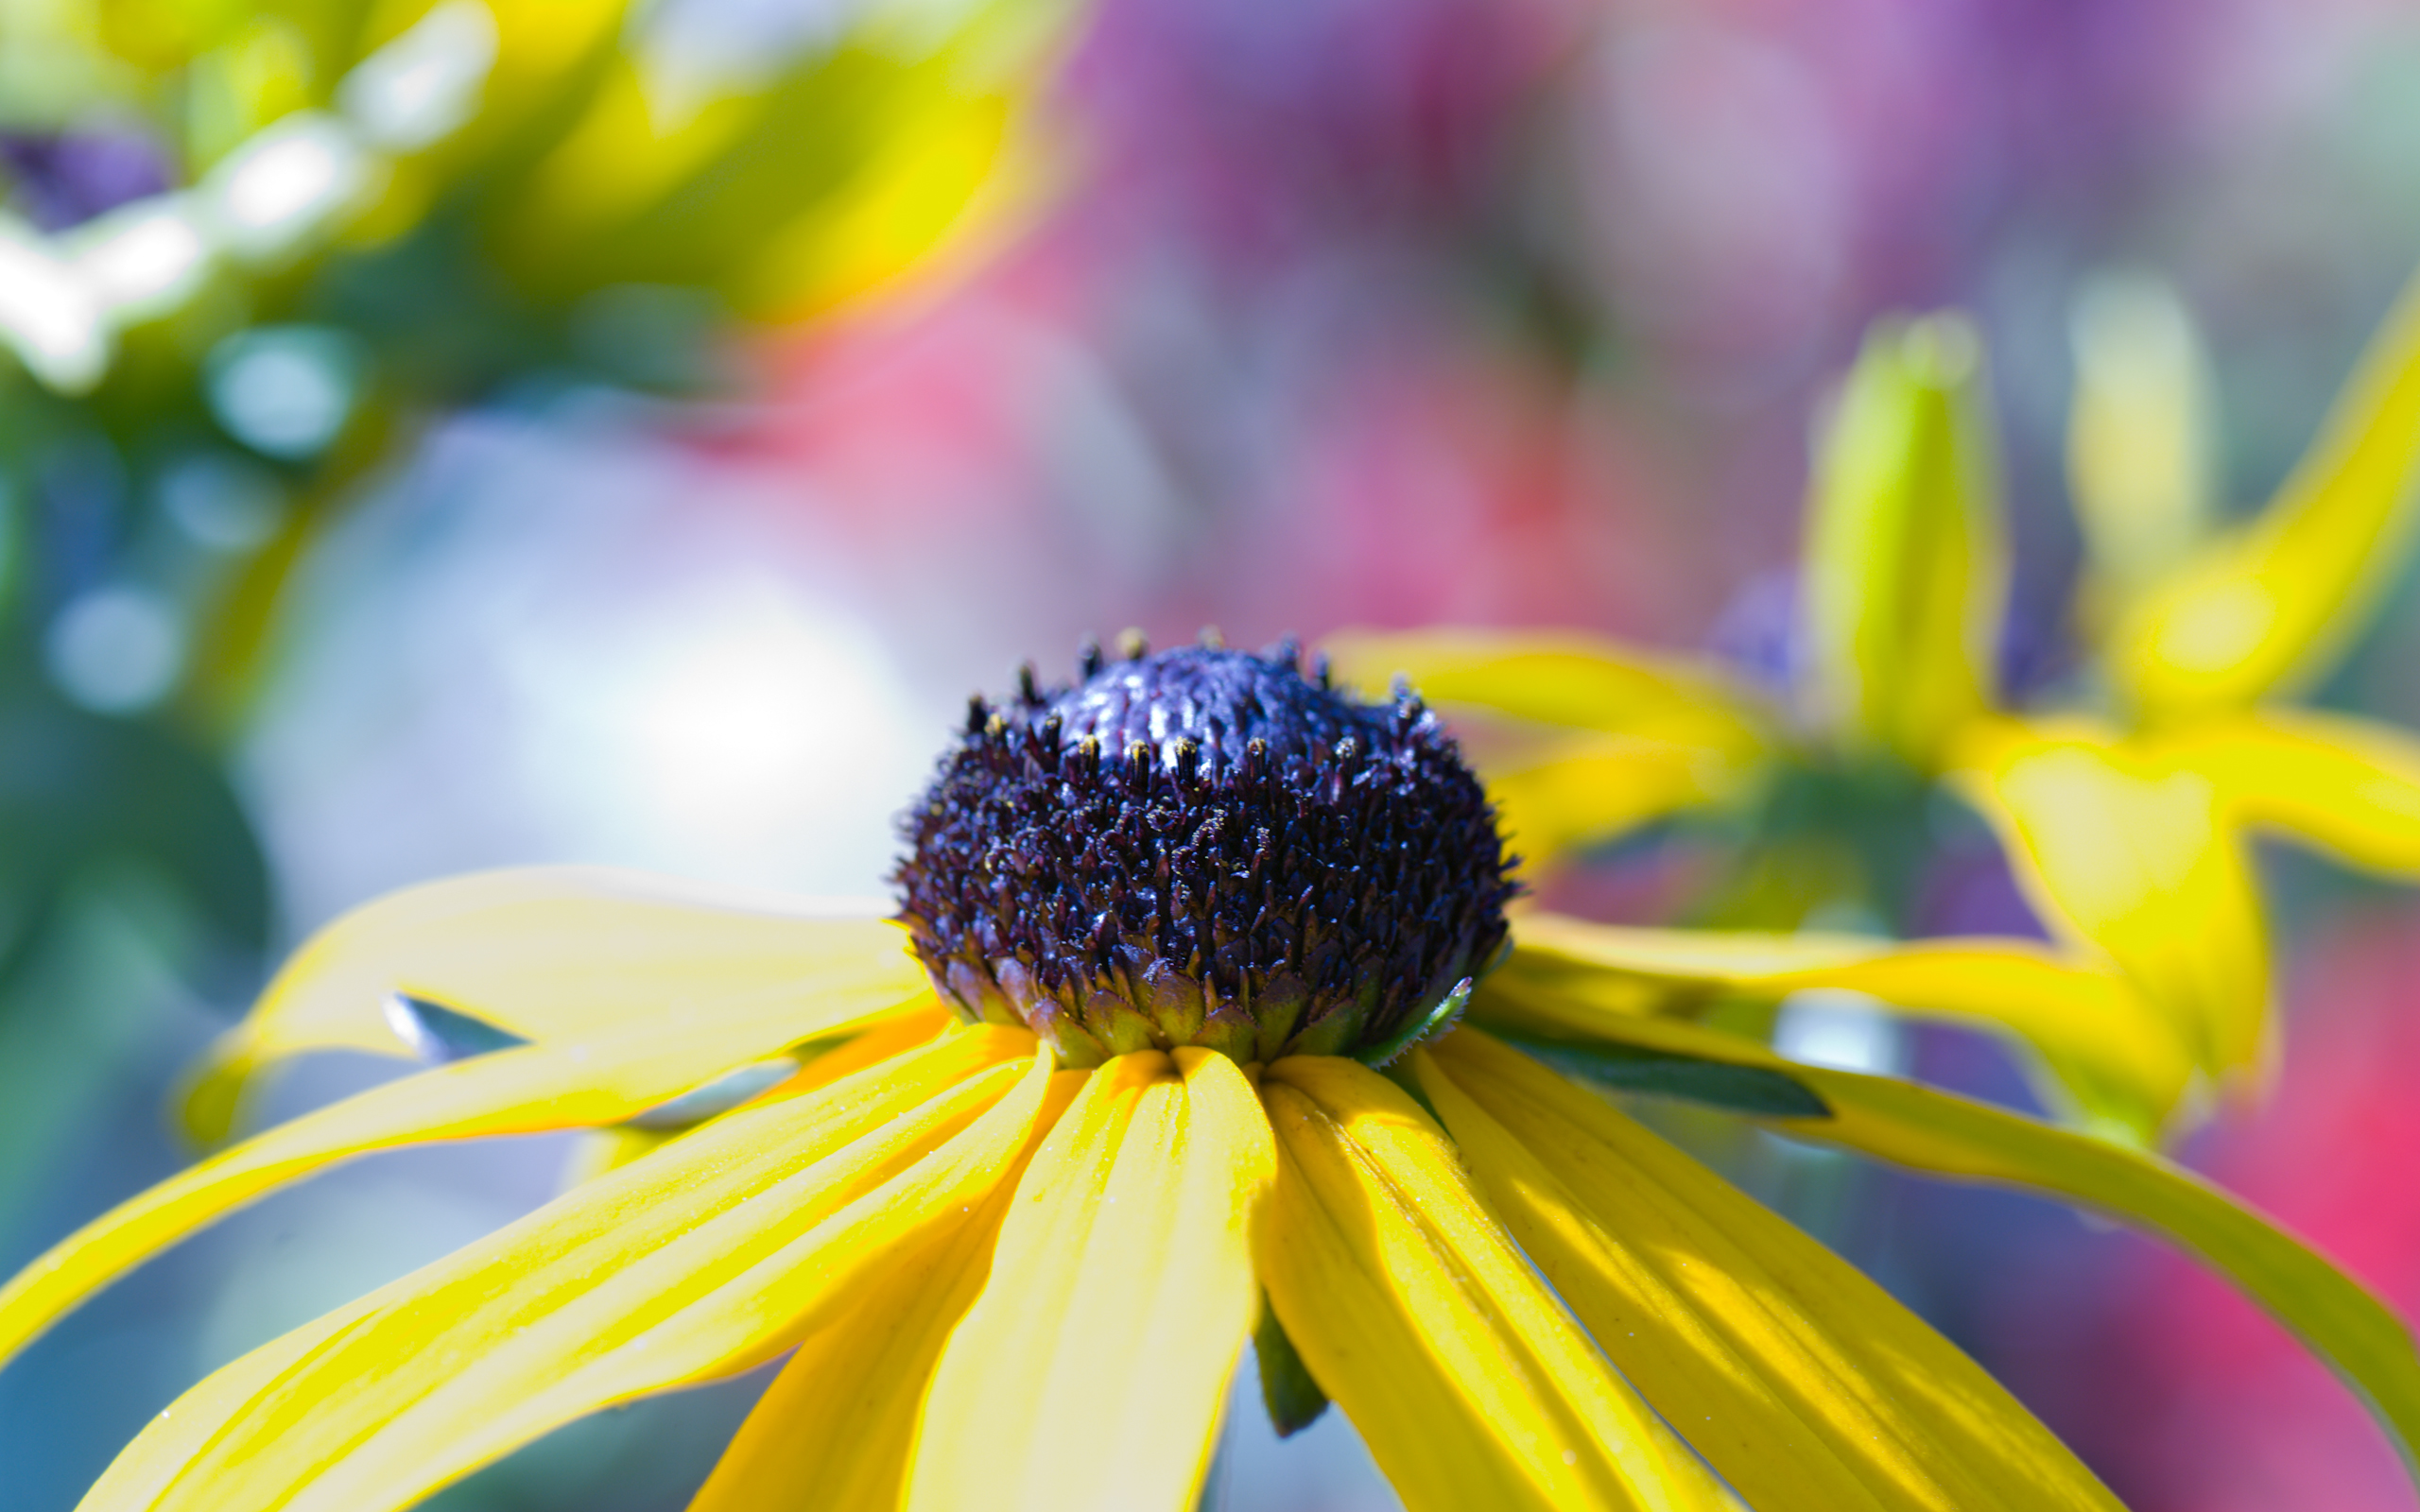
(2124, 800)
(1175, 1060)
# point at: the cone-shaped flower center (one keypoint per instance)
(1202, 846)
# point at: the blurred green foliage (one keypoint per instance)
(248, 252)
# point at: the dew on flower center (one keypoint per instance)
(1202, 846)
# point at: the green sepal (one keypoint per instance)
(1754, 1089)
(1418, 1027)
(1293, 1398)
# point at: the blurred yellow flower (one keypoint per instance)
(2126, 828)
(1007, 1282)
(583, 147)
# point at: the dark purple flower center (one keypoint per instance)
(1204, 847)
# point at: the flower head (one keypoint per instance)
(1002, 1282)
(1202, 846)
(2124, 807)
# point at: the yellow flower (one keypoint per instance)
(2123, 811)
(1006, 1280)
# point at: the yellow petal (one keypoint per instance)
(1558, 796)
(719, 1251)
(545, 952)
(1470, 1383)
(1092, 1370)
(1906, 564)
(2114, 1057)
(1583, 738)
(610, 1148)
(1562, 678)
(575, 1083)
(835, 1429)
(2349, 786)
(1803, 1384)
(2355, 1334)
(2270, 606)
(2136, 861)
(2140, 435)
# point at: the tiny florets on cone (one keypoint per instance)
(1202, 846)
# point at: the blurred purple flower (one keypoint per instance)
(63, 178)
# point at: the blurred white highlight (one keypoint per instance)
(142, 260)
(282, 186)
(49, 316)
(1843, 1030)
(424, 85)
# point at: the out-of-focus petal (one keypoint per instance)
(1092, 1371)
(2141, 447)
(1562, 678)
(2358, 1335)
(1588, 738)
(2121, 854)
(2114, 1060)
(716, 1253)
(836, 1428)
(1471, 1385)
(1565, 794)
(1907, 560)
(806, 182)
(1803, 1384)
(2349, 786)
(579, 1083)
(2270, 607)
(548, 952)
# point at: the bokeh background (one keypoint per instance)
(435, 438)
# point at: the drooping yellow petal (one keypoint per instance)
(834, 1431)
(2349, 786)
(1906, 564)
(1092, 1371)
(548, 952)
(2269, 607)
(577, 1082)
(1589, 738)
(2138, 861)
(2116, 1060)
(2358, 1335)
(1803, 1384)
(1470, 1383)
(717, 1252)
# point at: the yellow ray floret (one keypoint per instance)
(2270, 606)
(1092, 1372)
(549, 951)
(2350, 787)
(836, 1428)
(2111, 1057)
(580, 1083)
(712, 1255)
(1471, 1385)
(1801, 1382)
(2139, 862)
(2358, 1335)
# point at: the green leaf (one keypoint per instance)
(1293, 1398)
